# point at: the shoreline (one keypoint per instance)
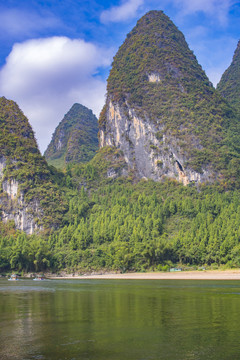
(181, 275)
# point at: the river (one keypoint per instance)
(119, 320)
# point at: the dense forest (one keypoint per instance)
(124, 225)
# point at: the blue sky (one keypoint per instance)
(55, 53)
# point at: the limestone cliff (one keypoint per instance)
(75, 138)
(162, 111)
(147, 149)
(26, 215)
(28, 194)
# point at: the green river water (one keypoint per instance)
(119, 320)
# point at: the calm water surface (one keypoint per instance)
(119, 320)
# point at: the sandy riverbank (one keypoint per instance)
(183, 275)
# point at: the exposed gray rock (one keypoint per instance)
(10, 187)
(111, 173)
(60, 144)
(15, 208)
(154, 77)
(23, 215)
(147, 148)
(2, 166)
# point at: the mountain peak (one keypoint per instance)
(15, 130)
(161, 109)
(75, 138)
(154, 49)
(77, 107)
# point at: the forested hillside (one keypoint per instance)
(75, 138)
(28, 190)
(126, 226)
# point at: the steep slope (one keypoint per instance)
(75, 139)
(28, 194)
(162, 111)
(229, 85)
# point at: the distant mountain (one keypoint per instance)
(28, 193)
(162, 111)
(75, 138)
(229, 85)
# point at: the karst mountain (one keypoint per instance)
(162, 111)
(75, 138)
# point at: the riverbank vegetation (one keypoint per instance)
(128, 226)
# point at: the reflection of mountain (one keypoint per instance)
(75, 138)
(119, 320)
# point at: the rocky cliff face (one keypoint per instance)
(14, 207)
(229, 85)
(75, 139)
(28, 194)
(161, 110)
(2, 165)
(147, 149)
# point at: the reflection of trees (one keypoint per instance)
(118, 320)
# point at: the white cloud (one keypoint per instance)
(46, 76)
(217, 8)
(14, 22)
(127, 10)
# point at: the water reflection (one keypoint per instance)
(119, 320)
